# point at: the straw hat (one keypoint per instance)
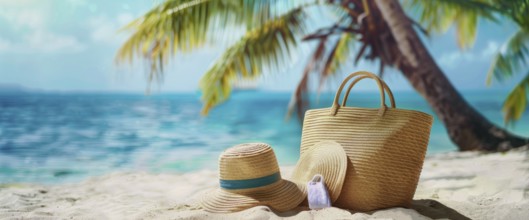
(327, 158)
(249, 176)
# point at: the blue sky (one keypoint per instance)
(69, 45)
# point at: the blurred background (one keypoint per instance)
(92, 87)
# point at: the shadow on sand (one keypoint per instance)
(435, 210)
(426, 207)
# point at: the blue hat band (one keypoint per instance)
(250, 183)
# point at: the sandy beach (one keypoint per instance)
(452, 185)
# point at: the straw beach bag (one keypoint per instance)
(385, 147)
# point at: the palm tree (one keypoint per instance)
(513, 58)
(275, 28)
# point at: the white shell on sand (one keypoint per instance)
(452, 185)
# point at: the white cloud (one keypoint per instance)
(42, 41)
(492, 48)
(4, 45)
(105, 29)
(32, 35)
(20, 18)
(24, 13)
(124, 18)
(102, 29)
(18, 3)
(50, 42)
(454, 58)
(77, 3)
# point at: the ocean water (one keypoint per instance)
(54, 138)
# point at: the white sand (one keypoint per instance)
(453, 185)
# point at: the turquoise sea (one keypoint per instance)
(54, 137)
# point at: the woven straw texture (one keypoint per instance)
(326, 158)
(247, 161)
(385, 148)
(250, 161)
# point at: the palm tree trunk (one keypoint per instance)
(468, 129)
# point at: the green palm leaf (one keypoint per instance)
(263, 48)
(516, 102)
(439, 15)
(510, 61)
(185, 25)
(339, 54)
(513, 57)
(516, 10)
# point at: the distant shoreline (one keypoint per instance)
(6, 88)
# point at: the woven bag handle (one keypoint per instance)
(386, 88)
(363, 74)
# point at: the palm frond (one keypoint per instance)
(185, 25)
(512, 58)
(439, 15)
(516, 10)
(338, 56)
(269, 45)
(299, 99)
(516, 102)
(175, 25)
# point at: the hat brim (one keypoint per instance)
(327, 158)
(280, 196)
